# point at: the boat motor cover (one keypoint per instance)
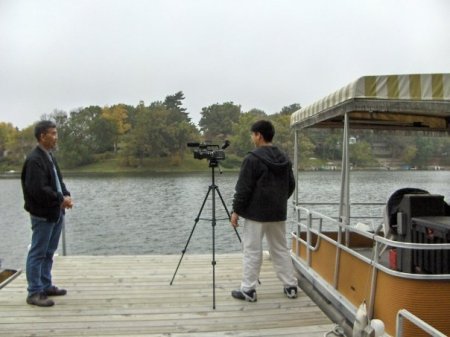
(393, 203)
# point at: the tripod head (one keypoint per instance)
(213, 162)
(212, 152)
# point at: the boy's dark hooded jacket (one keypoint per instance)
(265, 183)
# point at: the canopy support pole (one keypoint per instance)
(296, 167)
(344, 203)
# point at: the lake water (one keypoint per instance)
(155, 214)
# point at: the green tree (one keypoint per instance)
(425, 150)
(218, 119)
(257, 112)
(290, 109)
(80, 137)
(330, 148)
(58, 116)
(306, 150)
(157, 134)
(180, 129)
(152, 129)
(137, 143)
(241, 142)
(283, 136)
(443, 150)
(409, 154)
(174, 103)
(178, 134)
(7, 133)
(361, 154)
(131, 148)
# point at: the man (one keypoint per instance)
(265, 183)
(46, 199)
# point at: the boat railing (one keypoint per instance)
(313, 227)
(312, 223)
(378, 205)
(405, 314)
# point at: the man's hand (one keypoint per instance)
(234, 220)
(67, 202)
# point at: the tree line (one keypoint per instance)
(131, 134)
(161, 130)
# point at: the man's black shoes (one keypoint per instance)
(55, 291)
(40, 299)
(249, 296)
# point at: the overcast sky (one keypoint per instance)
(66, 54)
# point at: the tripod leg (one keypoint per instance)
(192, 232)
(213, 223)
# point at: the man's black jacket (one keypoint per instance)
(39, 186)
(265, 183)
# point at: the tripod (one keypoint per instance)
(213, 163)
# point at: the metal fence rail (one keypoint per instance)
(405, 314)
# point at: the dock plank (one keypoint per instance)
(131, 296)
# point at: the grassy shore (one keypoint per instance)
(112, 164)
(149, 165)
(115, 166)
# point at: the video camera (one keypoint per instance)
(209, 151)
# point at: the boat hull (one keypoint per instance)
(358, 280)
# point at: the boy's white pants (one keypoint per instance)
(275, 233)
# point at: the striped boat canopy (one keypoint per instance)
(401, 102)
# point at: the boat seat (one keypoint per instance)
(390, 213)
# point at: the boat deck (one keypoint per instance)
(131, 296)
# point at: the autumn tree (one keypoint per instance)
(117, 115)
(15, 144)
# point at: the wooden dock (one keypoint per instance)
(130, 296)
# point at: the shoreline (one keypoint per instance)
(145, 172)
